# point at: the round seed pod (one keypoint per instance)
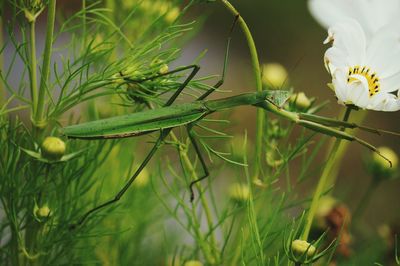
(53, 148)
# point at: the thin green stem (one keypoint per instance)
(322, 181)
(358, 118)
(257, 74)
(210, 254)
(84, 43)
(40, 120)
(2, 89)
(33, 65)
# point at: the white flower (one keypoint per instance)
(365, 74)
(371, 14)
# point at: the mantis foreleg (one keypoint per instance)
(221, 81)
(163, 134)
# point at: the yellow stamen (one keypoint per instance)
(372, 79)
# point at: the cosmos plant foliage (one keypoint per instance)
(85, 179)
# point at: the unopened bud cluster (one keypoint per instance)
(32, 9)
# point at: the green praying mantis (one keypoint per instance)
(169, 116)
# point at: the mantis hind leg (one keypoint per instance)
(201, 159)
(164, 133)
(224, 68)
(202, 97)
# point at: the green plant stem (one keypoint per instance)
(365, 200)
(240, 238)
(211, 255)
(33, 65)
(40, 120)
(257, 74)
(357, 118)
(84, 43)
(322, 181)
(3, 93)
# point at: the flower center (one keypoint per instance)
(372, 79)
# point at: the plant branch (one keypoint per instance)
(322, 181)
(39, 115)
(257, 75)
(33, 64)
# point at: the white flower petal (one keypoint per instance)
(390, 84)
(335, 58)
(340, 85)
(383, 53)
(349, 37)
(358, 91)
(328, 12)
(386, 102)
(371, 14)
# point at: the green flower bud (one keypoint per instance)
(161, 7)
(236, 145)
(43, 212)
(259, 183)
(272, 160)
(299, 247)
(53, 148)
(172, 14)
(193, 263)
(29, 16)
(300, 100)
(379, 167)
(239, 192)
(117, 79)
(274, 75)
(163, 69)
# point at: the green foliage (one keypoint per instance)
(106, 61)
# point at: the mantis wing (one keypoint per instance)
(137, 123)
